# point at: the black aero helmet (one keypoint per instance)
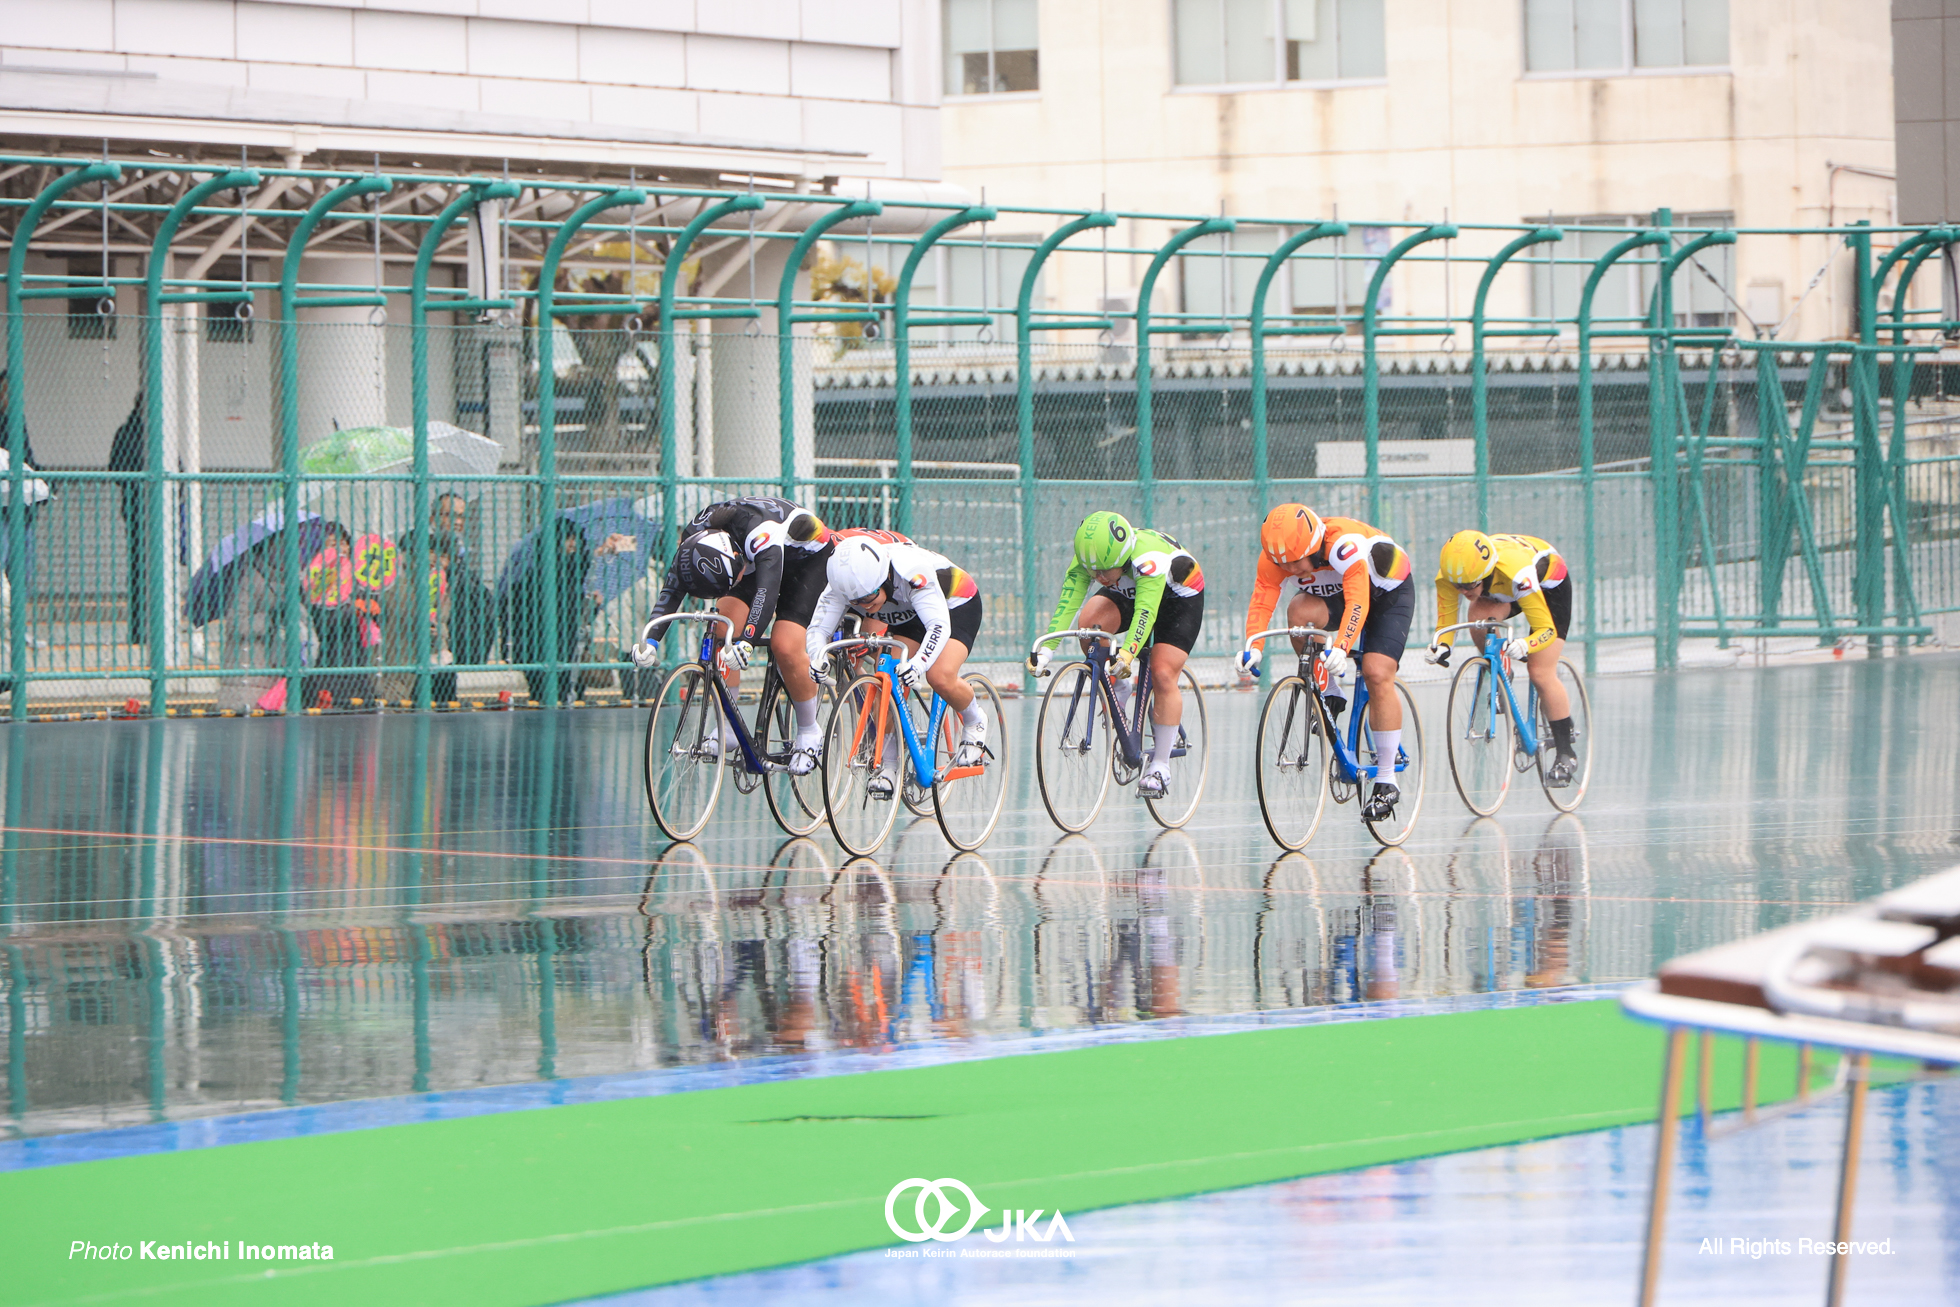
(706, 565)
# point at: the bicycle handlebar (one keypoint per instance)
(1289, 631)
(647, 631)
(867, 642)
(1081, 633)
(1490, 623)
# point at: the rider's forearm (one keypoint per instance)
(1075, 589)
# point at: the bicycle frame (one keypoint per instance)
(1526, 719)
(1129, 735)
(1347, 754)
(922, 767)
(753, 761)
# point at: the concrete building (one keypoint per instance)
(1757, 113)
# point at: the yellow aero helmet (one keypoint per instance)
(1468, 557)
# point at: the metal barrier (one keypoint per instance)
(279, 513)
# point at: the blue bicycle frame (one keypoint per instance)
(922, 768)
(1525, 719)
(1347, 754)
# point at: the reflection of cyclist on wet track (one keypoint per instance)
(1348, 578)
(927, 603)
(761, 560)
(1499, 577)
(1144, 584)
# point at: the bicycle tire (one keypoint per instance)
(796, 802)
(1291, 763)
(966, 815)
(1181, 795)
(1478, 737)
(682, 780)
(1392, 830)
(859, 822)
(1073, 765)
(1568, 798)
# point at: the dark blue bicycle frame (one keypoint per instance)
(750, 758)
(1129, 736)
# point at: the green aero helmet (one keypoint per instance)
(1104, 541)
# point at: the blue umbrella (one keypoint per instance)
(611, 576)
(210, 591)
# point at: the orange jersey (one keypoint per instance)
(1353, 562)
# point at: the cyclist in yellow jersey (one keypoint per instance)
(1501, 576)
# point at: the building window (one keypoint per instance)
(991, 47)
(1620, 36)
(1704, 287)
(1268, 42)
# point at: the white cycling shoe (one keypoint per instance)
(882, 785)
(806, 753)
(1154, 783)
(973, 750)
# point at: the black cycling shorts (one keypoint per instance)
(1387, 629)
(804, 577)
(965, 624)
(1179, 619)
(1558, 598)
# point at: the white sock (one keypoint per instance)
(1123, 691)
(806, 712)
(1162, 740)
(1386, 743)
(972, 716)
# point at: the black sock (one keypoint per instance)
(1562, 735)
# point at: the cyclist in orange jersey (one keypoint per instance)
(1344, 576)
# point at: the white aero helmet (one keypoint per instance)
(858, 568)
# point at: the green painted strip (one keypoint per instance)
(534, 1207)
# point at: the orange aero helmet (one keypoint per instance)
(1290, 533)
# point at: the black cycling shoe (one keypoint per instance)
(1564, 767)
(1381, 803)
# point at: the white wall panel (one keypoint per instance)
(209, 72)
(923, 160)
(852, 22)
(716, 63)
(761, 118)
(71, 25)
(302, 79)
(537, 99)
(840, 72)
(766, 18)
(653, 15)
(188, 27)
(503, 49)
(878, 128)
(14, 56)
(423, 88)
(423, 43)
(634, 106)
(295, 34)
(612, 54)
(535, 11)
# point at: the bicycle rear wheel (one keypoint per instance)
(796, 802)
(683, 762)
(1190, 759)
(1292, 764)
(1477, 737)
(968, 807)
(1566, 798)
(854, 750)
(1408, 774)
(1072, 748)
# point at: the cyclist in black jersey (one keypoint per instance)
(761, 560)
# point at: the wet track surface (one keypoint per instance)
(207, 917)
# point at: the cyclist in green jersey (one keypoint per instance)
(1148, 587)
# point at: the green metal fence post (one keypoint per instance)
(17, 580)
(786, 318)
(1920, 247)
(1024, 417)
(1371, 397)
(1479, 383)
(1257, 331)
(664, 397)
(1146, 431)
(289, 303)
(548, 424)
(1868, 581)
(902, 346)
(154, 530)
(1588, 473)
(471, 197)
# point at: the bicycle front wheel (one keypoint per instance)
(1190, 758)
(1072, 748)
(968, 800)
(683, 752)
(861, 744)
(1407, 774)
(1292, 766)
(1478, 738)
(796, 802)
(1566, 797)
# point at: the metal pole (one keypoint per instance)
(1854, 1139)
(786, 318)
(1869, 579)
(1921, 247)
(1024, 418)
(289, 302)
(17, 580)
(1479, 383)
(670, 273)
(472, 196)
(1371, 400)
(1588, 474)
(1146, 431)
(548, 424)
(1257, 330)
(1667, 1128)
(902, 346)
(154, 530)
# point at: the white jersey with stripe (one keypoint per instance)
(920, 584)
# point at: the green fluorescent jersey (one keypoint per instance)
(1158, 562)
